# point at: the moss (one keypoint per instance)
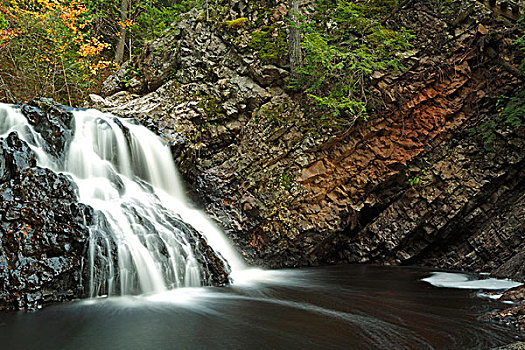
(263, 13)
(201, 16)
(270, 44)
(276, 114)
(215, 113)
(236, 23)
(285, 181)
(172, 74)
(133, 71)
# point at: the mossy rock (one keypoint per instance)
(237, 23)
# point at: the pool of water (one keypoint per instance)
(342, 307)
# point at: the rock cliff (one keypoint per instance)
(424, 181)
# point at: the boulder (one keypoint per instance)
(43, 232)
(52, 121)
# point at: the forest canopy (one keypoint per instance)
(65, 48)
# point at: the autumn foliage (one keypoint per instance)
(66, 48)
(47, 48)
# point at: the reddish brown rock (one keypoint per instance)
(516, 294)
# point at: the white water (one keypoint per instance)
(130, 177)
(462, 281)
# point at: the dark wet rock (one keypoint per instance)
(52, 121)
(514, 267)
(105, 256)
(516, 294)
(215, 267)
(125, 132)
(513, 316)
(15, 155)
(43, 233)
(217, 270)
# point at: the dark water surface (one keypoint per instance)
(344, 307)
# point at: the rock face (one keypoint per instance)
(43, 232)
(52, 121)
(419, 183)
(467, 210)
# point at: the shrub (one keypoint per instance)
(343, 44)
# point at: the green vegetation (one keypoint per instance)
(514, 108)
(343, 44)
(275, 114)
(66, 48)
(146, 19)
(270, 44)
(215, 115)
(236, 23)
(510, 111)
(413, 181)
(285, 181)
(50, 48)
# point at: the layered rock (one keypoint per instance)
(416, 184)
(466, 211)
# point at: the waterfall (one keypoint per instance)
(147, 236)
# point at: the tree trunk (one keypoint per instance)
(119, 52)
(294, 36)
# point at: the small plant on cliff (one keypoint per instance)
(285, 181)
(510, 110)
(413, 181)
(514, 107)
(236, 23)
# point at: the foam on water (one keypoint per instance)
(462, 281)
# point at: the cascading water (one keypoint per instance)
(148, 238)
